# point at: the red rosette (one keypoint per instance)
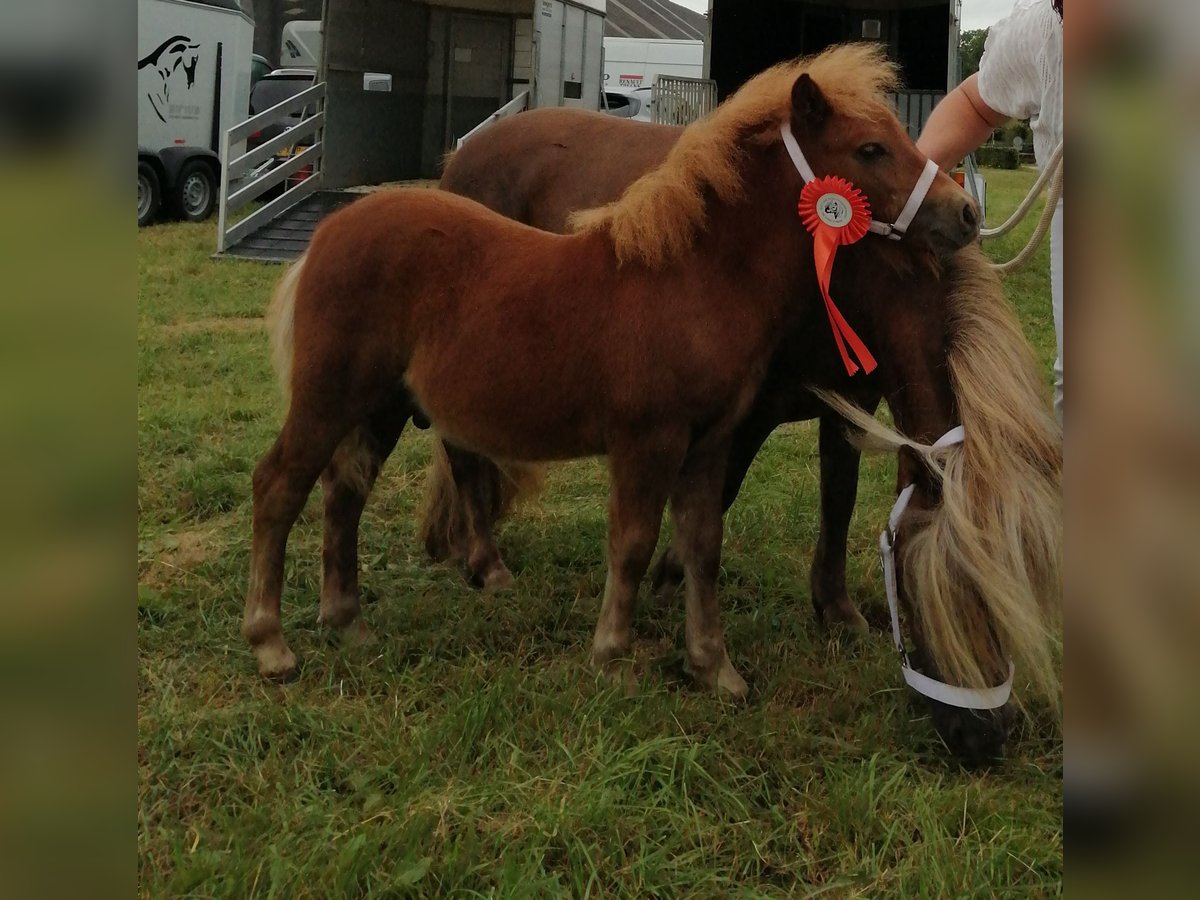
(837, 205)
(836, 213)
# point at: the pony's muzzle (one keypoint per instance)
(954, 221)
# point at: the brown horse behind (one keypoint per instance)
(538, 168)
(644, 337)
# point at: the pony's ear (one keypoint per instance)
(810, 109)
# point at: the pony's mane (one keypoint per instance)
(996, 536)
(658, 216)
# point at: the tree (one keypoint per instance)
(970, 48)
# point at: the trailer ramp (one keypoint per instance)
(288, 235)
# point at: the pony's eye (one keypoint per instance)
(871, 152)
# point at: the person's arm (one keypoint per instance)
(958, 125)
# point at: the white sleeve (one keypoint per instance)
(1010, 70)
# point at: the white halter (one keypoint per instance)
(896, 230)
(951, 695)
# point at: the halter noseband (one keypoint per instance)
(897, 229)
(949, 694)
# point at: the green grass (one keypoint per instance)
(470, 752)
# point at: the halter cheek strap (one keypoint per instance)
(894, 231)
(951, 695)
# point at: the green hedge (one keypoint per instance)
(998, 157)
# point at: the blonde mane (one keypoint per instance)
(996, 537)
(658, 216)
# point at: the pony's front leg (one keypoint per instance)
(696, 508)
(346, 484)
(839, 492)
(640, 482)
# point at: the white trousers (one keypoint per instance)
(1056, 296)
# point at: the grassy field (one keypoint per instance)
(470, 752)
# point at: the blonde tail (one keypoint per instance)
(281, 324)
(448, 518)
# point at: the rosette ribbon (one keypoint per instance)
(836, 213)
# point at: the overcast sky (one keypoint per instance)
(975, 14)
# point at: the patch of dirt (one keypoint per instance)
(177, 555)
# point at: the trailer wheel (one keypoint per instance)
(195, 193)
(149, 193)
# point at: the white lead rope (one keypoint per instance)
(1052, 172)
(951, 695)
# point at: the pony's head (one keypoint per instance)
(979, 551)
(865, 143)
(837, 106)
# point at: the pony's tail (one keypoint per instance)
(281, 324)
(447, 517)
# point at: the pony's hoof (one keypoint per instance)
(498, 578)
(619, 673)
(725, 680)
(276, 661)
(356, 634)
(730, 683)
(844, 614)
(614, 663)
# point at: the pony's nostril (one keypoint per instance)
(970, 215)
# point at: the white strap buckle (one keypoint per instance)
(951, 695)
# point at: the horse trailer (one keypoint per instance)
(194, 62)
(747, 36)
(398, 84)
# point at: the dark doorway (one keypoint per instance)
(479, 57)
(922, 39)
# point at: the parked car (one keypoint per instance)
(630, 104)
(259, 67)
(270, 90)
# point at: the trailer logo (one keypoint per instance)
(173, 55)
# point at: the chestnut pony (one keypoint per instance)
(539, 167)
(645, 336)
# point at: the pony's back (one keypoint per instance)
(541, 165)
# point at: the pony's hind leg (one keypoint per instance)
(283, 479)
(839, 491)
(482, 498)
(346, 484)
(696, 509)
(747, 441)
(638, 491)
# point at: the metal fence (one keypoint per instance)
(304, 141)
(517, 104)
(676, 100)
(914, 107)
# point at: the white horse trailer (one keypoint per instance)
(398, 84)
(193, 86)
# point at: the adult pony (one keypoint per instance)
(538, 168)
(643, 337)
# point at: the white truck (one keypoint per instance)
(632, 63)
(194, 61)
